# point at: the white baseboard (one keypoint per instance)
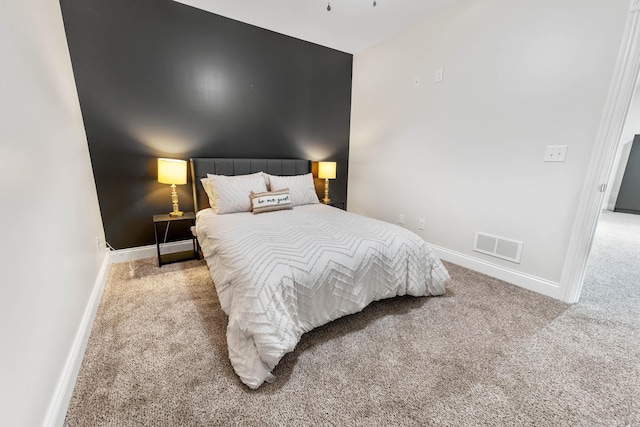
(517, 278)
(149, 251)
(64, 390)
(62, 396)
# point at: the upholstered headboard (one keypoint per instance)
(201, 166)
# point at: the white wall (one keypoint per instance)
(467, 153)
(50, 216)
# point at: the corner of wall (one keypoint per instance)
(57, 410)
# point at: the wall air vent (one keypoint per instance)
(500, 247)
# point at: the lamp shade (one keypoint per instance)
(172, 171)
(327, 170)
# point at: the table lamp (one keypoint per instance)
(326, 171)
(174, 172)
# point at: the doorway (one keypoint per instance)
(609, 135)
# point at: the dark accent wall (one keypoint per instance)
(628, 200)
(157, 78)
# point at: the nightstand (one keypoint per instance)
(167, 219)
(335, 203)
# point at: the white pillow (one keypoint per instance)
(301, 188)
(233, 193)
(251, 175)
(206, 184)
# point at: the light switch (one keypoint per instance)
(555, 153)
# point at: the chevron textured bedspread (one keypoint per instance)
(281, 274)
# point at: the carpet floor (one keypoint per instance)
(485, 353)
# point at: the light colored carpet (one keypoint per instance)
(486, 353)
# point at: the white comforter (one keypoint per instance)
(281, 274)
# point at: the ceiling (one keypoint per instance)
(350, 26)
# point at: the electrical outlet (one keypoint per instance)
(438, 76)
(401, 219)
(421, 223)
(98, 243)
(555, 153)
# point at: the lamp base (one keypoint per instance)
(176, 213)
(326, 192)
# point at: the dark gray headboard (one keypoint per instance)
(201, 166)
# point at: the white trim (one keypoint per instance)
(149, 251)
(514, 277)
(609, 135)
(57, 410)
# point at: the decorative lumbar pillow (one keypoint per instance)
(233, 193)
(300, 187)
(271, 201)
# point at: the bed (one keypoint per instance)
(290, 268)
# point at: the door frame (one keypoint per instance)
(608, 138)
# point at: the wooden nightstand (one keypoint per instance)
(176, 256)
(335, 203)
